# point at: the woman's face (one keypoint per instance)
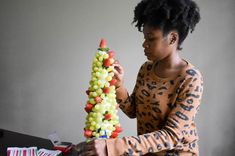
(156, 46)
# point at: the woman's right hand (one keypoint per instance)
(118, 74)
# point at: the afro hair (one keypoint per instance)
(167, 15)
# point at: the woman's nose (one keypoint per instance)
(145, 45)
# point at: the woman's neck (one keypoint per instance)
(169, 66)
(172, 61)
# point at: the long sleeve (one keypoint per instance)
(175, 134)
(127, 102)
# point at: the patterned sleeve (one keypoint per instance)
(171, 136)
(127, 103)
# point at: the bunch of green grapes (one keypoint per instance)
(102, 120)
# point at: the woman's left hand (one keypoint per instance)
(95, 147)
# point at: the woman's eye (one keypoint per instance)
(151, 39)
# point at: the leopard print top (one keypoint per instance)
(165, 109)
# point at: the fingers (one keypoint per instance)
(118, 68)
(93, 148)
(87, 153)
(118, 71)
(87, 150)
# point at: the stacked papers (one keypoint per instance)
(45, 152)
(31, 151)
(15, 151)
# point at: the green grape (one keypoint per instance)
(110, 127)
(107, 85)
(112, 88)
(111, 74)
(106, 56)
(110, 68)
(99, 82)
(97, 107)
(99, 64)
(96, 69)
(94, 114)
(101, 58)
(99, 91)
(102, 132)
(94, 94)
(102, 85)
(97, 135)
(90, 119)
(103, 128)
(100, 52)
(92, 101)
(95, 87)
(95, 60)
(97, 55)
(94, 79)
(108, 133)
(92, 128)
(93, 123)
(108, 78)
(97, 126)
(102, 95)
(97, 74)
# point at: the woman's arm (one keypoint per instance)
(171, 135)
(126, 101)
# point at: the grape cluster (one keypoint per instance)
(102, 120)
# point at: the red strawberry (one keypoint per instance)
(118, 129)
(114, 135)
(88, 107)
(103, 43)
(106, 90)
(98, 99)
(111, 54)
(112, 82)
(108, 116)
(88, 133)
(107, 62)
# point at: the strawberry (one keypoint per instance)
(107, 62)
(106, 90)
(112, 82)
(108, 116)
(98, 99)
(103, 43)
(118, 129)
(114, 135)
(88, 133)
(88, 107)
(111, 54)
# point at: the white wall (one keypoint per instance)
(46, 49)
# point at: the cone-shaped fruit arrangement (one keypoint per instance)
(102, 120)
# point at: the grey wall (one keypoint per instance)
(46, 49)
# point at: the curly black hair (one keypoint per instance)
(167, 15)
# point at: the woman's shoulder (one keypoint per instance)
(191, 71)
(147, 65)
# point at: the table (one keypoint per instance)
(15, 139)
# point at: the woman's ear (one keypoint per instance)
(173, 38)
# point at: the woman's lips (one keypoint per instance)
(146, 54)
